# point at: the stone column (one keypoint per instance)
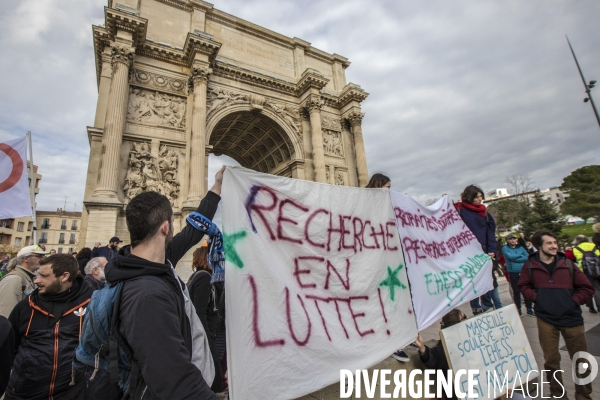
(121, 59)
(355, 118)
(350, 153)
(198, 81)
(314, 104)
(331, 175)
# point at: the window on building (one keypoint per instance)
(61, 239)
(18, 242)
(20, 226)
(7, 223)
(72, 239)
(27, 239)
(43, 238)
(74, 225)
(59, 250)
(70, 250)
(63, 224)
(559, 201)
(46, 223)
(29, 226)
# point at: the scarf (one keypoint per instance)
(216, 255)
(480, 209)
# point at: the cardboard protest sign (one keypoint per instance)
(495, 344)
(446, 265)
(315, 282)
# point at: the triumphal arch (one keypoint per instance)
(179, 79)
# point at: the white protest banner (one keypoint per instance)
(445, 262)
(495, 344)
(14, 184)
(315, 282)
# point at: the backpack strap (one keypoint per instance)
(581, 250)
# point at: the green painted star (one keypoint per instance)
(392, 281)
(231, 253)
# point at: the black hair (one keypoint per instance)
(378, 180)
(536, 238)
(144, 214)
(470, 193)
(62, 263)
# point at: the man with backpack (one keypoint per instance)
(150, 315)
(588, 258)
(558, 289)
(18, 283)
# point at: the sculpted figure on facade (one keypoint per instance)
(149, 173)
(156, 108)
(289, 115)
(219, 98)
(332, 143)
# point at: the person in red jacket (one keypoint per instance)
(558, 289)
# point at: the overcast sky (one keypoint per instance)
(460, 91)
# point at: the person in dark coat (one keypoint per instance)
(94, 273)
(7, 352)
(83, 257)
(204, 296)
(474, 214)
(47, 325)
(435, 358)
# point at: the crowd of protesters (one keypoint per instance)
(63, 337)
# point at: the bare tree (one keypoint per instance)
(519, 184)
(430, 201)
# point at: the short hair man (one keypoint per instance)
(47, 326)
(584, 244)
(153, 314)
(18, 283)
(109, 251)
(94, 273)
(515, 256)
(558, 290)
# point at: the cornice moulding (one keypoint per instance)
(117, 19)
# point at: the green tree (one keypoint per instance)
(583, 186)
(540, 215)
(506, 212)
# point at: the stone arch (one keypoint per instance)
(259, 139)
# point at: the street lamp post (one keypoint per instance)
(588, 86)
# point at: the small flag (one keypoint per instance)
(14, 185)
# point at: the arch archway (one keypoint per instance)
(255, 140)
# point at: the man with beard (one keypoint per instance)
(169, 353)
(558, 288)
(18, 283)
(47, 325)
(109, 251)
(94, 273)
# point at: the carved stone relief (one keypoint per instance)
(330, 123)
(332, 143)
(147, 172)
(158, 81)
(327, 176)
(339, 178)
(219, 98)
(156, 108)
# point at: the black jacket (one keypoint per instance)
(7, 352)
(205, 299)
(82, 263)
(93, 282)
(153, 319)
(435, 358)
(47, 329)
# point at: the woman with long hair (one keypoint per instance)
(475, 215)
(379, 180)
(204, 297)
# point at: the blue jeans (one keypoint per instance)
(489, 300)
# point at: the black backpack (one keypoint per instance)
(590, 262)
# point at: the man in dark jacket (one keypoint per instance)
(47, 325)
(94, 273)
(109, 251)
(152, 313)
(558, 289)
(7, 352)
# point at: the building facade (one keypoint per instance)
(59, 230)
(179, 79)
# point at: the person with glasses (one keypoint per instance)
(18, 283)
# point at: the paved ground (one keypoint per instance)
(591, 321)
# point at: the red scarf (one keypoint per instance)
(480, 209)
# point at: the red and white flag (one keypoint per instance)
(14, 185)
